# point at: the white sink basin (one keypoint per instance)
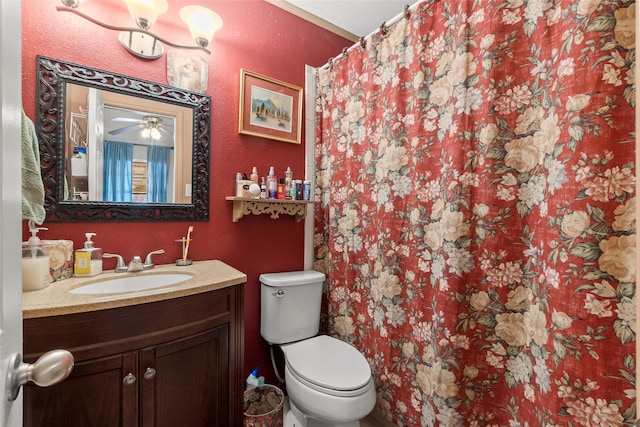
(131, 283)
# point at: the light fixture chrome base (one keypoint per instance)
(141, 44)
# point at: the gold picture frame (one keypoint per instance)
(269, 108)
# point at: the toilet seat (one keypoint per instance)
(328, 365)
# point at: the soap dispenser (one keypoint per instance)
(88, 260)
(35, 262)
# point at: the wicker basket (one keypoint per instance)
(263, 406)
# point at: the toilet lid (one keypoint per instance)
(329, 363)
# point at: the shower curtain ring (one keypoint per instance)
(406, 11)
(345, 52)
(363, 43)
(383, 29)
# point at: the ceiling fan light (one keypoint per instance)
(202, 23)
(146, 12)
(155, 134)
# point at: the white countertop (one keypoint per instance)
(56, 298)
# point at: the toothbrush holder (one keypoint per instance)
(183, 261)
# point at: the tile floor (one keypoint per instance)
(369, 421)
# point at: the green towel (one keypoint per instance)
(32, 186)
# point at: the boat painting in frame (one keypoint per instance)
(269, 108)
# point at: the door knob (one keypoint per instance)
(51, 368)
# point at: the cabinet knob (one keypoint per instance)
(129, 379)
(149, 373)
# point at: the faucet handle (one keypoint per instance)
(121, 267)
(148, 262)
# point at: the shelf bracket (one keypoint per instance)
(273, 207)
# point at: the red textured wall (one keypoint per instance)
(256, 36)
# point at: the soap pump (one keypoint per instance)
(35, 262)
(88, 260)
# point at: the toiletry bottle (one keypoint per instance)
(288, 181)
(238, 185)
(254, 175)
(88, 260)
(292, 191)
(306, 190)
(298, 185)
(35, 262)
(280, 194)
(252, 379)
(272, 184)
(263, 189)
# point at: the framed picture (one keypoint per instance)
(270, 108)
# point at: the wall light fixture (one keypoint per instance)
(202, 23)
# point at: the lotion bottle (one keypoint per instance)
(263, 189)
(288, 182)
(254, 175)
(88, 260)
(35, 262)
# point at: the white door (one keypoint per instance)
(95, 134)
(10, 204)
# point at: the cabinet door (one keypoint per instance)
(94, 395)
(186, 382)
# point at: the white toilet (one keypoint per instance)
(328, 381)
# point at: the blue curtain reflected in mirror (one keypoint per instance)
(117, 182)
(158, 168)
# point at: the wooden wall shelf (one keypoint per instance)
(245, 206)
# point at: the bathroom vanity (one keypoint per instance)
(165, 357)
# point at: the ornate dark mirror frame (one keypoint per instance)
(53, 75)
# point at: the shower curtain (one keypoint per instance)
(475, 211)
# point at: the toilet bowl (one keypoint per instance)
(328, 381)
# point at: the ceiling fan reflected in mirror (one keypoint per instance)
(150, 126)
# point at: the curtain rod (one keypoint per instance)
(387, 24)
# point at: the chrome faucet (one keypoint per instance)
(148, 262)
(135, 264)
(120, 266)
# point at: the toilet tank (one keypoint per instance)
(290, 305)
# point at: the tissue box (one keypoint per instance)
(60, 258)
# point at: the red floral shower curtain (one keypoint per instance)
(476, 212)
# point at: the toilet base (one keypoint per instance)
(294, 418)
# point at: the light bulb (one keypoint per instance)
(146, 12)
(202, 23)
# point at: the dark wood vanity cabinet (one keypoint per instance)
(163, 364)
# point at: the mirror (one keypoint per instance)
(116, 148)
